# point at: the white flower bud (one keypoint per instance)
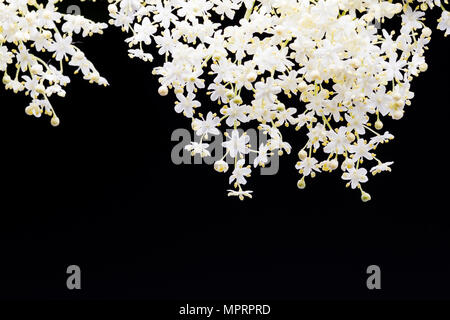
(237, 100)
(398, 7)
(350, 137)
(163, 91)
(347, 164)
(302, 86)
(112, 8)
(251, 76)
(40, 89)
(423, 67)
(301, 184)
(54, 121)
(221, 166)
(29, 110)
(315, 75)
(378, 125)
(365, 197)
(399, 103)
(229, 94)
(396, 96)
(6, 79)
(397, 114)
(36, 68)
(426, 32)
(333, 164)
(302, 155)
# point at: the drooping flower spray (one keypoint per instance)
(33, 33)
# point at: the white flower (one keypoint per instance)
(143, 32)
(361, 150)
(187, 104)
(240, 193)
(444, 22)
(218, 92)
(198, 148)
(5, 57)
(348, 75)
(411, 19)
(235, 113)
(356, 176)
(263, 153)
(206, 126)
(381, 167)
(27, 30)
(267, 90)
(237, 145)
(307, 166)
(240, 172)
(61, 46)
(338, 141)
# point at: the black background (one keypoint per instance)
(100, 191)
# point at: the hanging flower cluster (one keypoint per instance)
(318, 65)
(32, 33)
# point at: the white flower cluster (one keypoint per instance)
(29, 31)
(319, 65)
(313, 64)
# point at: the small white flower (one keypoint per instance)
(240, 193)
(381, 167)
(198, 148)
(240, 172)
(237, 144)
(361, 150)
(307, 166)
(61, 46)
(206, 126)
(356, 176)
(187, 104)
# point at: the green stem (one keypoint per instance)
(249, 11)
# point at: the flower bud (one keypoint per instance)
(229, 94)
(251, 76)
(423, 67)
(112, 8)
(397, 114)
(6, 79)
(397, 8)
(365, 197)
(347, 164)
(315, 75)
(29, 110)
(54, 121)
(378, 125)
(399, 103)
(426, 32)
(302, 154)
(40, 89)
(221, 166)
(163, 91)
(237, 100)
(350, 137)
(301, 184)
(302, 86)
(333, 164)
(37, 68)
(396, 96)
